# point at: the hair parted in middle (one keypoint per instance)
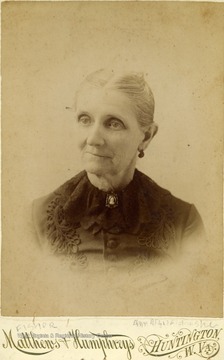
(133, 85)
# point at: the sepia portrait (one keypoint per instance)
(112, 159)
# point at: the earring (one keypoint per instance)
(141, 154)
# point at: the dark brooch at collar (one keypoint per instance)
(111, 200)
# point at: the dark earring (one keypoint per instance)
(141, 154)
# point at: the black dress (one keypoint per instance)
(130, 229)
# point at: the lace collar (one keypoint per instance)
(124, 211)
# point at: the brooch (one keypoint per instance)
(111, 200)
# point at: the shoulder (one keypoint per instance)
(64, 191)
(161, 196)
(57, 198)
(181, 214)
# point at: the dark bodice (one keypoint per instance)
(135, 226)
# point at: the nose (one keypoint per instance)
(95, 136)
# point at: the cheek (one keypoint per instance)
(118, 144)
(126, 149)
(132, 142)
(81, 144)
(79, 137)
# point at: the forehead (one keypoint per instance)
(95, 99)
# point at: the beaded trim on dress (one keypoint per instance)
(140, 212)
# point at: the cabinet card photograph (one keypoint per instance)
(112, 130)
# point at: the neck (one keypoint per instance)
(108, 182)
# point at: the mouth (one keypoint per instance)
(98, 155)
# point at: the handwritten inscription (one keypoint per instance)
(140, 323)
(176, 322)
(36, 326)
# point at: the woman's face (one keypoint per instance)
(108, 131)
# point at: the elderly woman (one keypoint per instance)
(111, 212)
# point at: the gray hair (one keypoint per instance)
(132, 84)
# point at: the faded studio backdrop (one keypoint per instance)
(47, 49)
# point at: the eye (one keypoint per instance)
(115, 124)
(84, 120)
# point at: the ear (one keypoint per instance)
(149, 134)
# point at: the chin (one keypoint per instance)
(97, 166)
(96, 170)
